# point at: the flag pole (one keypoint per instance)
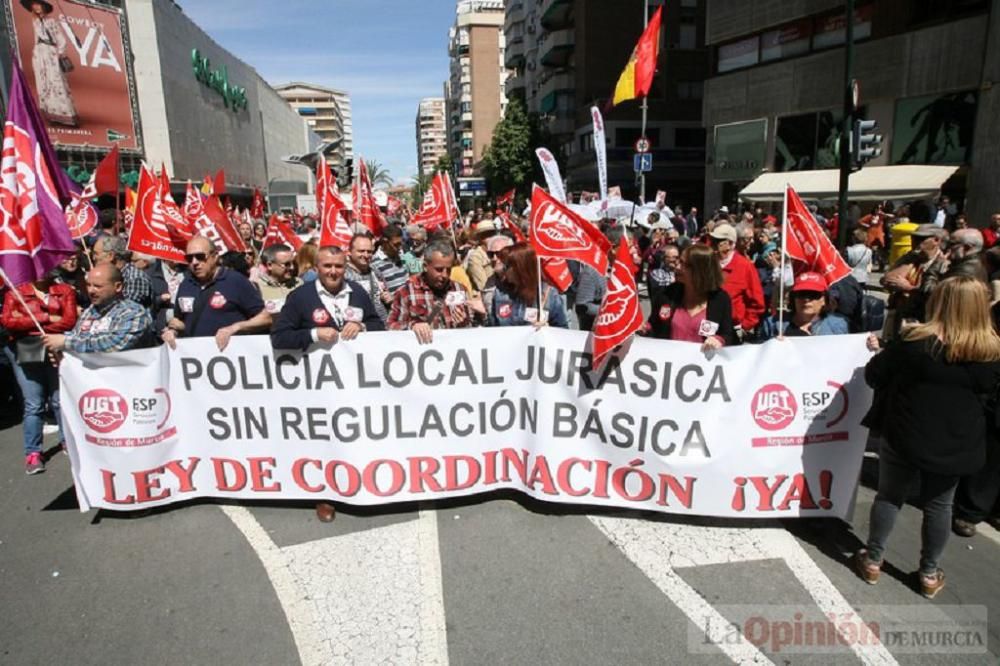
(781, 264)
(645, 108)
(17, 294)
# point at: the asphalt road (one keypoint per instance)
(492, 579)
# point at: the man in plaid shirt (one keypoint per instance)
(138, 286)
(111, 323)
(431, 299)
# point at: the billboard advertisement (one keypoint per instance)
(73, 55)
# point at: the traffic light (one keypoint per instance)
(865, 143)
(346, 175)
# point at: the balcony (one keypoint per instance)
(514, 55)
(557, 47)
(516, 86)
(514, 15)
(555, 82)
(556, 14)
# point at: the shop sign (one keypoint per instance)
(235, 97)
(739, 149)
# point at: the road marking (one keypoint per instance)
(658, 549)
(311, 644)
(373, 596)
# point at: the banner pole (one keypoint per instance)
(781, 265)
(538, 301)
(645, 108)
(17, 294)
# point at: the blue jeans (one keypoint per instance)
(895, 476)
(39, 384)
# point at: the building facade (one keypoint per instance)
(925, 72)
(321, 110)
(565, 56)
(432, 134)
(474, 94)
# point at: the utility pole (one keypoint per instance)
(847, 123)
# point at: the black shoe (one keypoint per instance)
(963, 528)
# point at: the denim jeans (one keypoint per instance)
(39, 384)
(937, 491)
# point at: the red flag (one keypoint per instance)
(180, 229)
(219, 184)
(513, 228)
(225, 232)
(620, 315)
(805, 241)
(334, 229)
(279, 232)
(506, 199)
(366, 211)
(559, 233)
(105, 176)
(81, 216)
(394, 206)
(556, 271)
(438, 208)
(194, 206)
(150, 234)
(257, 209)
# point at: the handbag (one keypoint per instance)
(65, 64)
(30, 349)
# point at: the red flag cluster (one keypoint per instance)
(334, 229)
(366, 211)
(438, 209)
(279, 232)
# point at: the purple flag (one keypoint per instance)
(34, 236)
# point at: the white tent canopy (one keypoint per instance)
(911, 181)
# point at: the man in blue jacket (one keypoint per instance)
(329, 309)
(325, 310)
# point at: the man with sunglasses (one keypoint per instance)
(278, 279)
(214, 301)
(742, 282)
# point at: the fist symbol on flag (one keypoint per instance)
(557, 233)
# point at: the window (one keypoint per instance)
(690, 89)
(688, 37)
(587, 142)
(788, 40)
(742, 53)
(689, 137)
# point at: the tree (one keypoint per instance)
(419, 185)
(509, 161)
(445, 163)
(378, 174)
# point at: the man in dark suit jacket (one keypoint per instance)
(328, 309)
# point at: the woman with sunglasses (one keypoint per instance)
(694, 308)
(515, 302)
(811, 309)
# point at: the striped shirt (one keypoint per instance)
(393, 273)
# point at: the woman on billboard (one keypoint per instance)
(51, 64)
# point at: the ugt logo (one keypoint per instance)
(103, 410)
(774, 407)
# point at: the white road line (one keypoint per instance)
(373, 596)
(658, 549)
(311, 644)
(433, 647)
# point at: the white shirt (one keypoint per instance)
(335, 304)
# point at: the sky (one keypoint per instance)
(387, 54)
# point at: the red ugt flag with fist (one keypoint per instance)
(559, 233)
(805, 241)
(620, 315)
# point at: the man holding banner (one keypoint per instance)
(214, 301)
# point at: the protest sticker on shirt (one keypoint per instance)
(218, 301)
(531, 316)
(320, 316)
(504, 311)
(354, 314)
(186, 303)
(708, 328)
(274, 306)
(665, 312)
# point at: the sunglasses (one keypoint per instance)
(196, 256)
(492, 255)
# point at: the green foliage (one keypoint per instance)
(445, 163)
(509, 161)
(419, 185)
(378, 174)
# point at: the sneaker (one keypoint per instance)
(50, 429)
(33, 463)
(931, 584)
(868, 570)
(963, 528)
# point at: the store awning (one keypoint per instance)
(910, 181)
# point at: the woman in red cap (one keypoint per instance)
(811, 312)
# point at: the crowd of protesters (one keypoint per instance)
(715, 283)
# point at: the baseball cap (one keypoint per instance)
(929, 230)
(724, 232)
(809, 282)
(723, 209)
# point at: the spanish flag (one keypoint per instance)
(637, 78)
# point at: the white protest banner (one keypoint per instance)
(601, 151)
(553, 179)
(768, 430)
